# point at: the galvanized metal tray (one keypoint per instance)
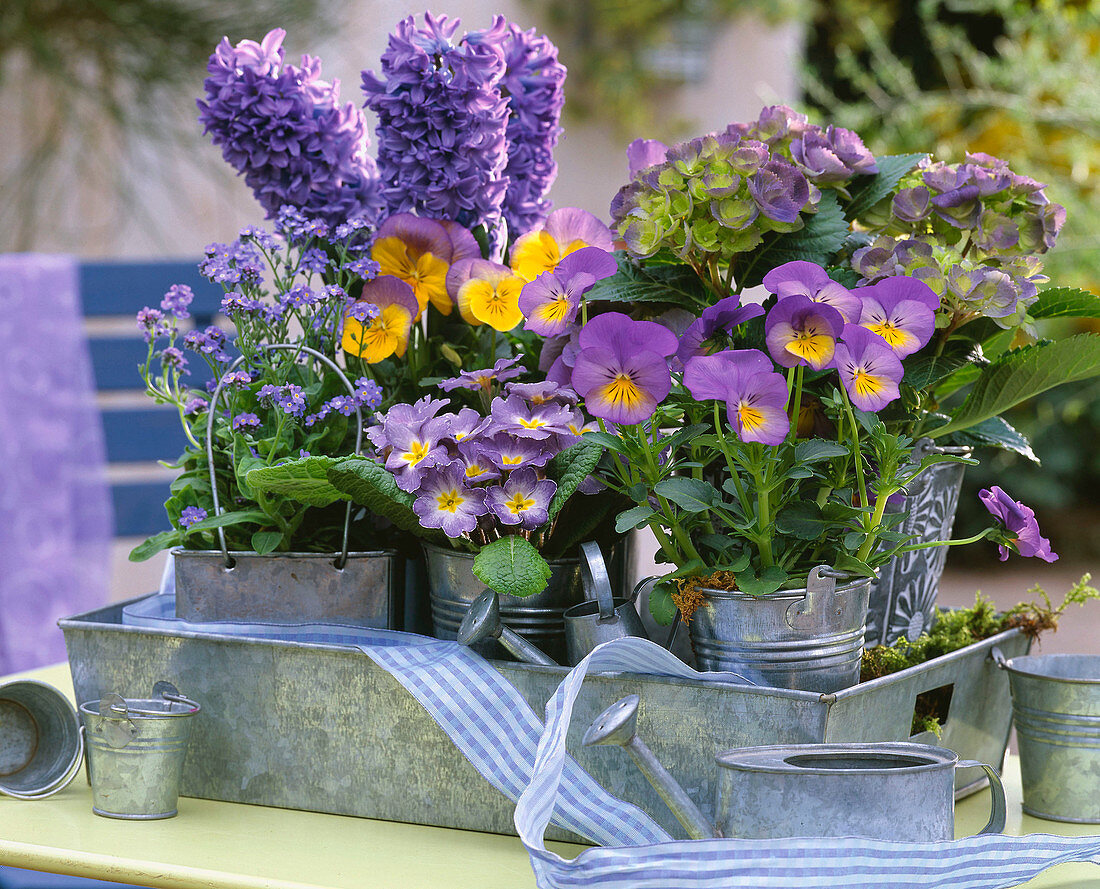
(322, 728)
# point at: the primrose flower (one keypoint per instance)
(621, 370)
(550, 302)
(722, 317)
(507, 451)
(801, 278)
(801, 331)
(868, 368)
(525, 420)
(387, 333)
(546, 392)
(504, 369)
(900, 310)
(755, 395)
(465, 424)
(566, 230)
(414, 449)
(1020, 524)
(486, 293)
(523, 499)
(444, 501)
(419, 252)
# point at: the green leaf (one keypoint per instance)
(849, 563)
(868, 191)
(228, 519)
(690, 494)
(512, 567)
(264, 542)
(1065, 302)
(672, 283)
(569, 468)
(604, 440)
(149, 548)
(372, 486)
(770, 579)
(998, 433)
(305, 480)
(925, 371)
(632, 518)
(661, 605)
(814, 450)
(581, 525)
(844, 276)
(801, 520)
(1022, 374)
(817, 241)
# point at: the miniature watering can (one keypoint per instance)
(889, 791)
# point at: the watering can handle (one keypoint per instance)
(998, 811)
(595, 580)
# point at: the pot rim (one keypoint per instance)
(1017, 667)
(462, 554)
(775, 758)
(793, 595)
(237, 553)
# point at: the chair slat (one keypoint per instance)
(115, 362)
(139, 508)
(122, 288)
(142, 435)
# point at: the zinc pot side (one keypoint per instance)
(322, 728)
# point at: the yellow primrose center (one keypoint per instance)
(450, 501)
(473, 470)
(497, 306)
(518, 503)
(417, 451)
(425, 273)
(751, 418)
(621, 391)
(386, 335)
(511, 460)
(894, 336)
(538, 252)
(533, 423)
(865, 384)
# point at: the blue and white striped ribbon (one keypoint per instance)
(491, 723)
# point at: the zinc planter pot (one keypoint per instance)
(809, 639)
(367, 590)
(453, 587)
(903, 598)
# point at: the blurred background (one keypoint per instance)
(101, 155)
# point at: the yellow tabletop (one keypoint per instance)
(212, 844)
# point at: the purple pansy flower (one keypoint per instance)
(550, 302)
(1019, 521)
(868, 368)
(755, 395)
(523, 499)
(801, 278)
(444, 501)
(900, 310)
(801, 331)
(621, 370)
(723, 316)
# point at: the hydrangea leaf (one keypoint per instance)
(923, 371)
(569, 468)
(512, 566)
(866, 192)
(1022, 374)
(672, 283)
(1066, 302)
(305, 481)
(817, 241)
(995, 431)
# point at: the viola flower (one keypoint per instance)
(1019, 523)
(621, 370)
(801, 278)
(801, 331)
(868, 368)
(504, 369)
(566, 231)
(489, 294)
(722, 317)
(523, 499)
(444, 501)
(509, 452)
(550, 302)
(520, 418)
(755, 395)
(418, 251)
(900, 310)
(388, 332)
(414, 449)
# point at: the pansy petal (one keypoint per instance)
(809, 277)
(421, 235)
(463, 244)
(567, 225)
(890, 291)
(592, 260)
(625, 335)
(905, 328)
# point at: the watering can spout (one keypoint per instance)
(483, 621)
(617, 726)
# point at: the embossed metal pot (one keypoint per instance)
(809, 639)
(453, 587)
(903, 599)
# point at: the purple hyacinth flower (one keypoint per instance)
(518, 417)
(445, 501)
(900, 310)
(869, 370)
(550, 302)
(483, 379)
(644, 153)
(755, 395)
(523, 499)
(779, 190)
(1019, 521)
(801, 278)
(621, 370)
(509, 452)
(801, 331)
(723, 316)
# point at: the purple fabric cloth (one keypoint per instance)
(55, 511)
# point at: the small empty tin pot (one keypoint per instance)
(41, 746)
(136, 750)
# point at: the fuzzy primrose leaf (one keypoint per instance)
(369, 484)
(149, 548)
(305, 481)
(512, 566)
(569, 468)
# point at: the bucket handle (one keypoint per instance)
(998, 811)
(809, 612)
(328, 362)
(998, 657)
(595, 580)
(64, 781)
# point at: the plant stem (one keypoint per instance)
(678, 532)
(876, 520)
(858, 454)
(961, 542)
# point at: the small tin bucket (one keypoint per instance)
(41, 745)
(603, 616)
(1056, 710)
(136, 750)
